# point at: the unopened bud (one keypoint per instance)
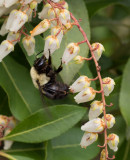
(110, 120)
(33, 5)
(103, 155)
(113, 141)
(108, 85)
(78, 59)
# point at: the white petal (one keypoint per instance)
(23, 2)
(95, 125)
(9, 3)
(95, 110)
(3, 30)
(88, 139)
(110, 120)
(55, 1)
(55, 30)
(44, 13)
(80, 84)
(64, 16)
(2, 3)
(109, 86)
(86, 95)
(7, 143)
(113, 142)
(13, 36)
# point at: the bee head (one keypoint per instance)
(40, 64)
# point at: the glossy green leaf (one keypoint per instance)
(94, 5)
(48, 151)
(67, 147)
(21, 151)
(42, 126)
(24, 99)
(124, 100)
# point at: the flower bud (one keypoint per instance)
(9, 3)
(95, 125)
(95, 110)
(33, 4)
(98, 49)
(44, 13)
(52, 14)
(13, 36)
(7, 143)
(16, 20)
(108, 85)
(3, 30)
(80, 84)
(5, 48)
(87, 139)
(29, 45)
(55, 30)
(78, 59)
(113, 141)
(70, 52)
(3, 120)
(110, 120)
(41, 27)
(65, 5)
(51, 43)
(67, 26)
(64, 16)
(103, 155)
(86, 95)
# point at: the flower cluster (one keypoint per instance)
(6, 126)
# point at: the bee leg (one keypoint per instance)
(59, 68)
(49, 60)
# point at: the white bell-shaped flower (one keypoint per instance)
(33, 4)
(52, 14)
(95, 110)
(113, 141)
(9, 3)
(103, 155)
(7, 143)
(55, 1)
(16, 20)
(78, 60)
(29, 44)
(85, 95)
(2, 3)
(64, 16)
(12, 36)
(57, 30)
(98, 48)
(70, 52)
(80, 84)
(5, 11)
(65, 5)
(51, 44)
(108, 85)
(5, 48)
(44, 13)
(23, 2)
(3, 120)
(95, 125)
(110, 120)
(88, 139)
(41, 27)
(3, 30)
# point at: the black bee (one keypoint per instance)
(44, 78)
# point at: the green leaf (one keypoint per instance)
(94, 5)
(48, 151)
(67, 145)
(124, 100)
(24, 99)
(21, 151)
(74, 35)
(40, 127)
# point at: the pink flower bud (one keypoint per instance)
(70, 52)
(113, 141)
(88, 139)
(95, 125)
(80, 84)
(110, 120)
(86, 95)
(95, 110)
(108, 85)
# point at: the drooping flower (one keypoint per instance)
(9, 3)
(23, 2)
(108, 85)
(51, 44)
(78, 59)
(57, 30)
(3, 30)
(98, 48)
(110, 120)
(70, 52)
(95, 110)
(95, 125)
(85, 95)
(64, 16)
(113, 141)
(12, 36)
(41, 27)
(16, 20)
(103, 155)
(5, 48)
(88, 138)
(80, 84)
(29, 45)
(33, 4)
